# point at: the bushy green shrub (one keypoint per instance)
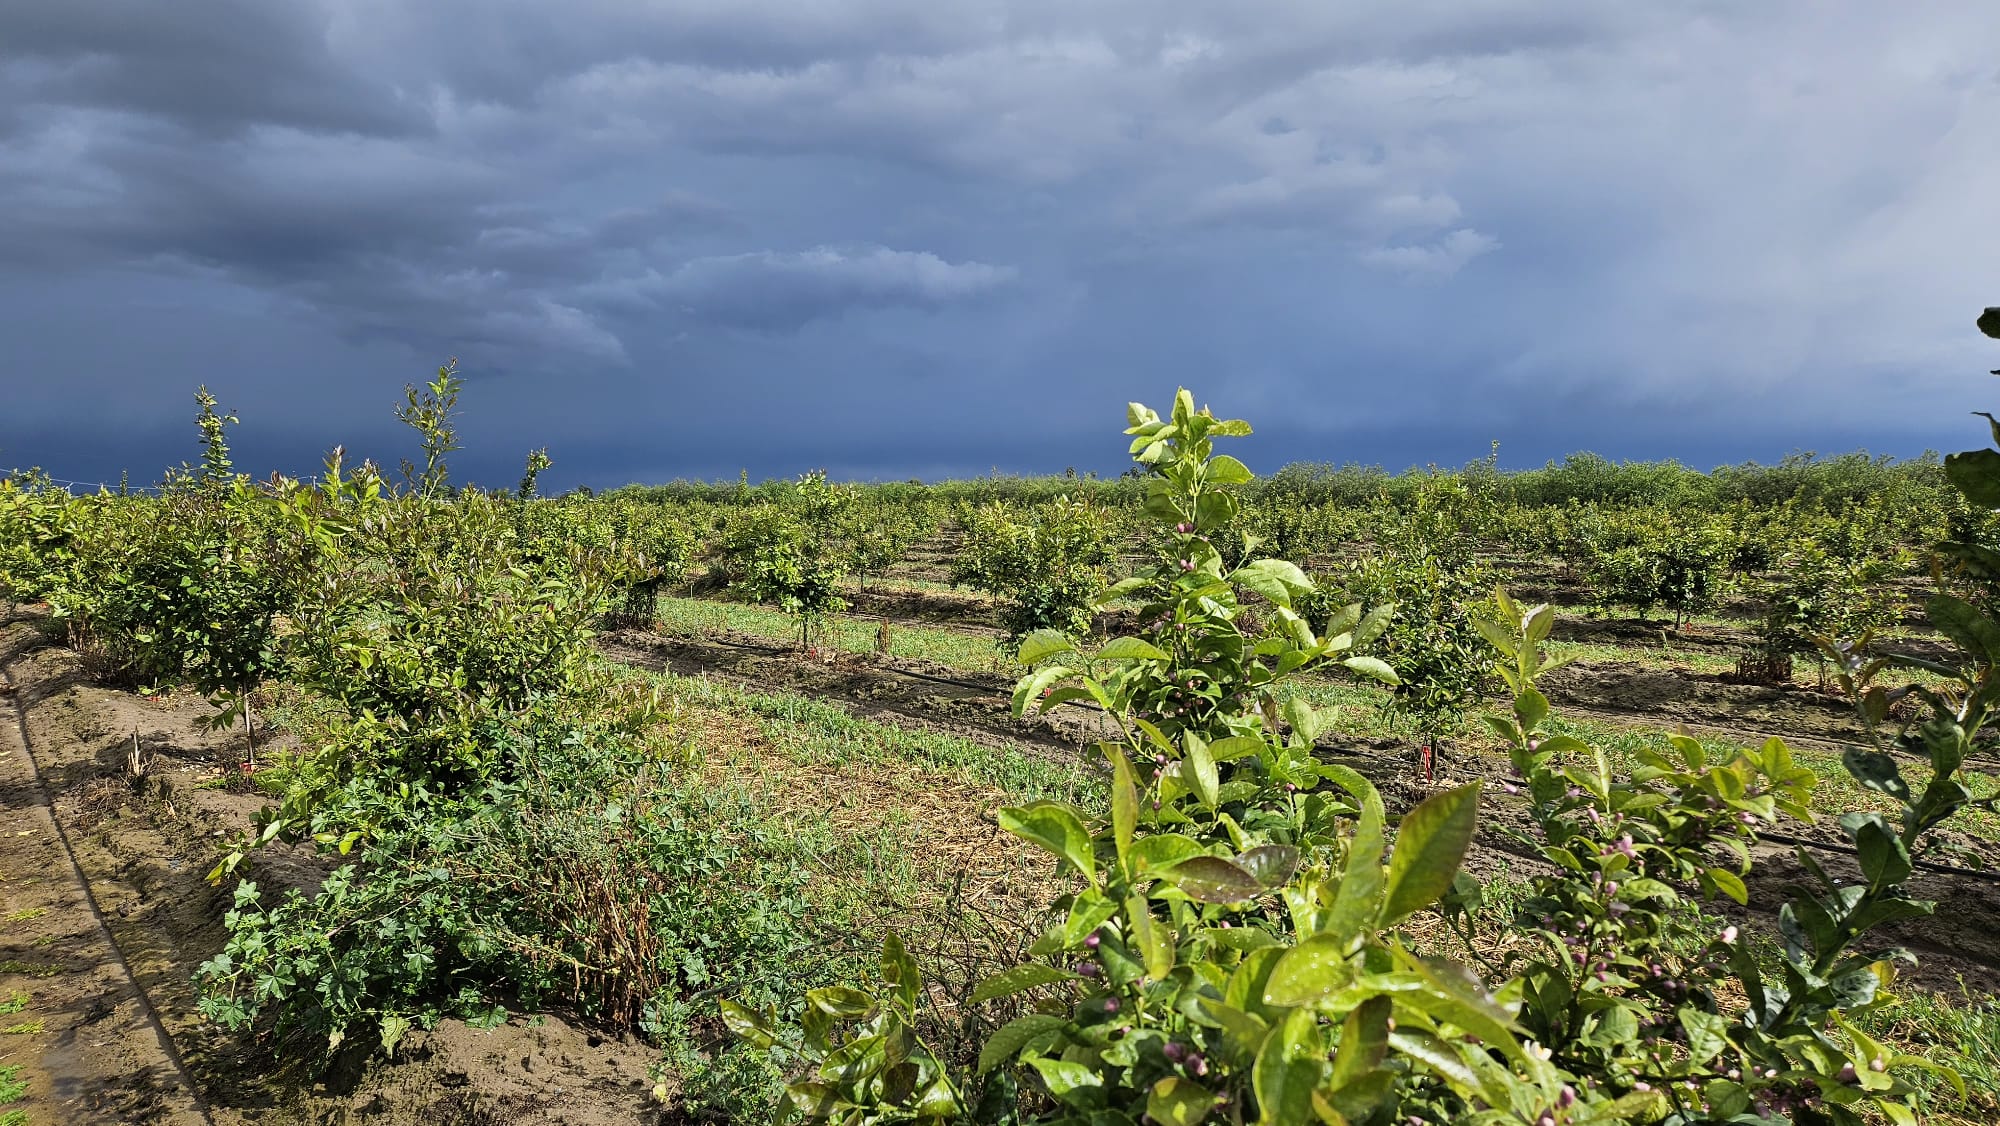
(588, 872)
(1046, 566)
(789, 552)
(1666, 563)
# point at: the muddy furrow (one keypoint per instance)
(102, 1052)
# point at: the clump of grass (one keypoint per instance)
(1960, 1031)
(30, 969)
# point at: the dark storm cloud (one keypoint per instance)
(1559, 222)
(207, 65)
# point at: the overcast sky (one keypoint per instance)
(904, 237)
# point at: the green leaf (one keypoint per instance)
(1961, 621)
(1175, 1101)
(1124, 801)
(1120, 589)
(1032, 685)
(1018, 979)
(1042, 644)
(1277, 580)
(1211, 879)
(1149, 938)
(1729, 884)
(1499, 636)
(1707, 1034)
(939, 1102)
(1375, 668)
(1430, 845)
(1198, 771)
(1272, 865)
(1358, 901)
(1311, 971)
(1133, 648)
(1439, 1057)
(1008, 1040)
(1539, 622)
(1343, 620)
(899, 970)
(1234, 747)
(1063, 1076)
(748, 1026)
(1364, 1040)
(1156, 851)
(1884, 859)
(1532, 707)
(1374, 623)
(1470, 1013)
(1226, 470)
(1876, 771)
(394, 1028)
(841, 1001)
(1976, 474)
(1287, 1070)
(1056, 829)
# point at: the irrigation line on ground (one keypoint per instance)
(1784, 838)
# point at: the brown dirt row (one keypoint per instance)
(1956, 945)
(144, 841)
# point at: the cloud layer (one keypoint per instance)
(897, 237)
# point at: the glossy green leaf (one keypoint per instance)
(1010, 1038)
(1364, 1040)
(1043, 644)
(1175, 1101)
(1064, 1076)
(1274, 579)
(1055, 828)
(1018, 979)
(1211, 879)
(1976, 474)
(1226, 470)
(1030, 687)
(1133, 648)
(1198, 771)
(1271, 865)
(1729, 884)
(1374, 668)
(1430, 846)
(1288, 1068)
(1310, 972)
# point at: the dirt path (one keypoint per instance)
(106, 921)
(91, 1043)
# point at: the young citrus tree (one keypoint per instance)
(1228, 952)
(1047, 569)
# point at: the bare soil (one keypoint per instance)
(103, 858)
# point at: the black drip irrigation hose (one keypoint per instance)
(1980, 875)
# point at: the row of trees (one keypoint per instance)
(1232, 943)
